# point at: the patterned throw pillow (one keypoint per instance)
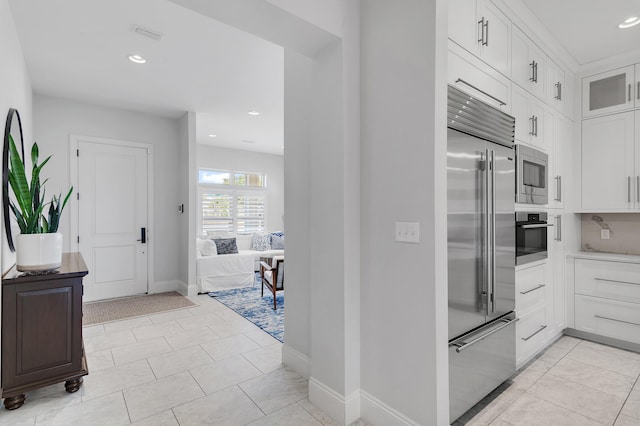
(226, 245)
(277, 243)
(261, 242)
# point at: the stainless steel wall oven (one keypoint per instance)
(531, 236)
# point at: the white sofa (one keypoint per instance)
(226, 271)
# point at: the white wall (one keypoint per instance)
(246, 161)
(404, 286)
(15, 92)
(187, 196)
(55, 119)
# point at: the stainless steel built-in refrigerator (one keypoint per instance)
(481, 249)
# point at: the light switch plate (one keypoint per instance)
(408, 232)
(605, 234)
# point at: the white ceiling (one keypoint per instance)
(78, 49)
(588, 29)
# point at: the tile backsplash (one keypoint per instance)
(624, 232)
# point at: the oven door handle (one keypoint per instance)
(537, 225)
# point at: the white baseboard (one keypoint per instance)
(379, 413)
(297, 361)
(164, 286)
(343, 410)
(186, 290)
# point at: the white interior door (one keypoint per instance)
(112, 187)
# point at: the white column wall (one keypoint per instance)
(404, 286)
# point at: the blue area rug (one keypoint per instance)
(247, 302)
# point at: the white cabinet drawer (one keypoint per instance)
(530, 288)
(531, 335)
(611, 280)
(612, 318)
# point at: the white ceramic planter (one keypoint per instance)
(38, 252)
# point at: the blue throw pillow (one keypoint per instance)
(277, 243)
(226, 245)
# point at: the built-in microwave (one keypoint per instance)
(531, 175)
(531, 236)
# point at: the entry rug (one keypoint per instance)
(134, 306)
(247, 302)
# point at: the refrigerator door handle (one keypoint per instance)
(493, 231)
(487, 231)
(462, 345)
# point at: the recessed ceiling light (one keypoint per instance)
(212, 136)
(282, 147)
(628, 23)
(254, 112)
(137, 59)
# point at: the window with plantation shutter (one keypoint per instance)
(237, 206)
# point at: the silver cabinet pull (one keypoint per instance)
(616, 320)
(535, 66)
(460, 346)
(481, 24)
(481, 91)
(559, 91)
(532, 119)
(533, 289)
(537, 225)
(638, 89)
(629, 92)
(533, 71)
(628, 189)
(559, 228)
(536, 332)
(558, 188)
(486, 26)
(536, 122)
(638, 189)
(616, 281)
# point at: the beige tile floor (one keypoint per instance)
(196, 366)
(573, 383)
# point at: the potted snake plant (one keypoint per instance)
(39, 245)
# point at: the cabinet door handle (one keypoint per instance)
(638, 189)
(532, 119)
(481, 28)
(481, 91)
(533, 289)
(616, 320)
(533, 71)
(486, 40)
(638, 89)
(629, 92)
(558, 91)
(536, 332)
(628, 189)
(558, 188)
(559, 228)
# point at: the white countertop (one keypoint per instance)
(611, 257)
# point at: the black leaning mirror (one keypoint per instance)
(12, 127)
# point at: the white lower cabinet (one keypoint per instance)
(531, 307)
(607, 298)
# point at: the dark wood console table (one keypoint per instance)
(42, 330)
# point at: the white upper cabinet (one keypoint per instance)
(473, 76)
(527, 63)
(530, 118)
(611, 91)
(482, 29)
(609, 164)
(555, 86)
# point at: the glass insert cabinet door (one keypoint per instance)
(611, 91)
